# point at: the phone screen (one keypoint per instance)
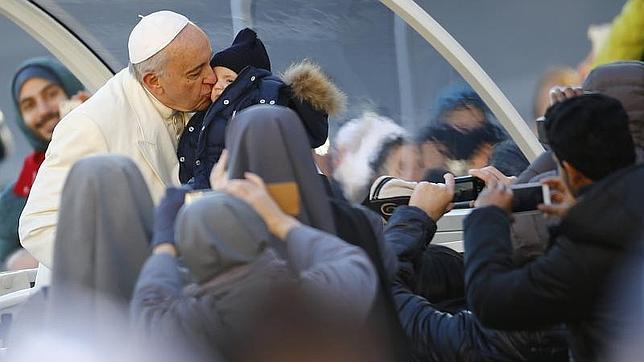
(467, 188)
(526, 197)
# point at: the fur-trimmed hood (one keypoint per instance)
(311, 85)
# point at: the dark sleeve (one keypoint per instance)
(407, 233)
(159, 306)
(539, 294)
(435, 335)
(157, 289)
(387, 254)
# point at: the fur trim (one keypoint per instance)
(311, 85)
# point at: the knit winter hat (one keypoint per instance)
(246, 50)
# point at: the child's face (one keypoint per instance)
(225, 76)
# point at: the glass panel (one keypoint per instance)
(383, 66)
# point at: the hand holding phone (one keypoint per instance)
(561, 198)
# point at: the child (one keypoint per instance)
(244, 78)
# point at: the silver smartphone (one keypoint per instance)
(526, 197)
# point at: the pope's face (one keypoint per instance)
(188, 78)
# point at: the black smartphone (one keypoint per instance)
(467, 188)
(526, 197)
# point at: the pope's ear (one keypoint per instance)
(151, 82)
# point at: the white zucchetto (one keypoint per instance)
(153, 33)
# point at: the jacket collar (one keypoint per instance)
(609, 212)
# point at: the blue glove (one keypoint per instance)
(165, 215)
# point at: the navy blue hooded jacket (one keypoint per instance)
(303, 88)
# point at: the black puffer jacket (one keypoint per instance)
(438, 336)
(568, 283)
(303, 87)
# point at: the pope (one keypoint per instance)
(138, 113)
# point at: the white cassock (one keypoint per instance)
(122, 118)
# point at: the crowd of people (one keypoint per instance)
(184, 215)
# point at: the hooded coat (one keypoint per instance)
(14, 197)
(623, 81)
(211, 313)
(568, 284)
(303, 87)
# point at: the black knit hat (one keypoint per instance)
(246, 50)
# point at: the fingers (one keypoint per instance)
(218, 175)
(497, 174)
(560, 94)
(490, 173)
(449, 182)
(553, 182)
(256, 180)
(552, 210)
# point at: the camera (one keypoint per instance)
(467, 188)
(387, 193)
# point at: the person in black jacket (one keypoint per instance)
(437, 335)
(599, 199)
(244, 78)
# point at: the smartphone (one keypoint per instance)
(467, 188)
(526, 197)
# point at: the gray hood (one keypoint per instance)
(624, 81)
(219, 232)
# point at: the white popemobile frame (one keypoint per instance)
(93, 73)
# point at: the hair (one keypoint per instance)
(591, 133)
(155, 64)
(508, 158)
(457, 96)
(389, 146)
(462, 144)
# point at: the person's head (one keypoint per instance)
(590, 138)
(170, 56)
(246, 50)
(459, 106)
(399, 158)
(38, 88)
(458, 149)
(623, 81)
(370, 146)
(217, 233)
